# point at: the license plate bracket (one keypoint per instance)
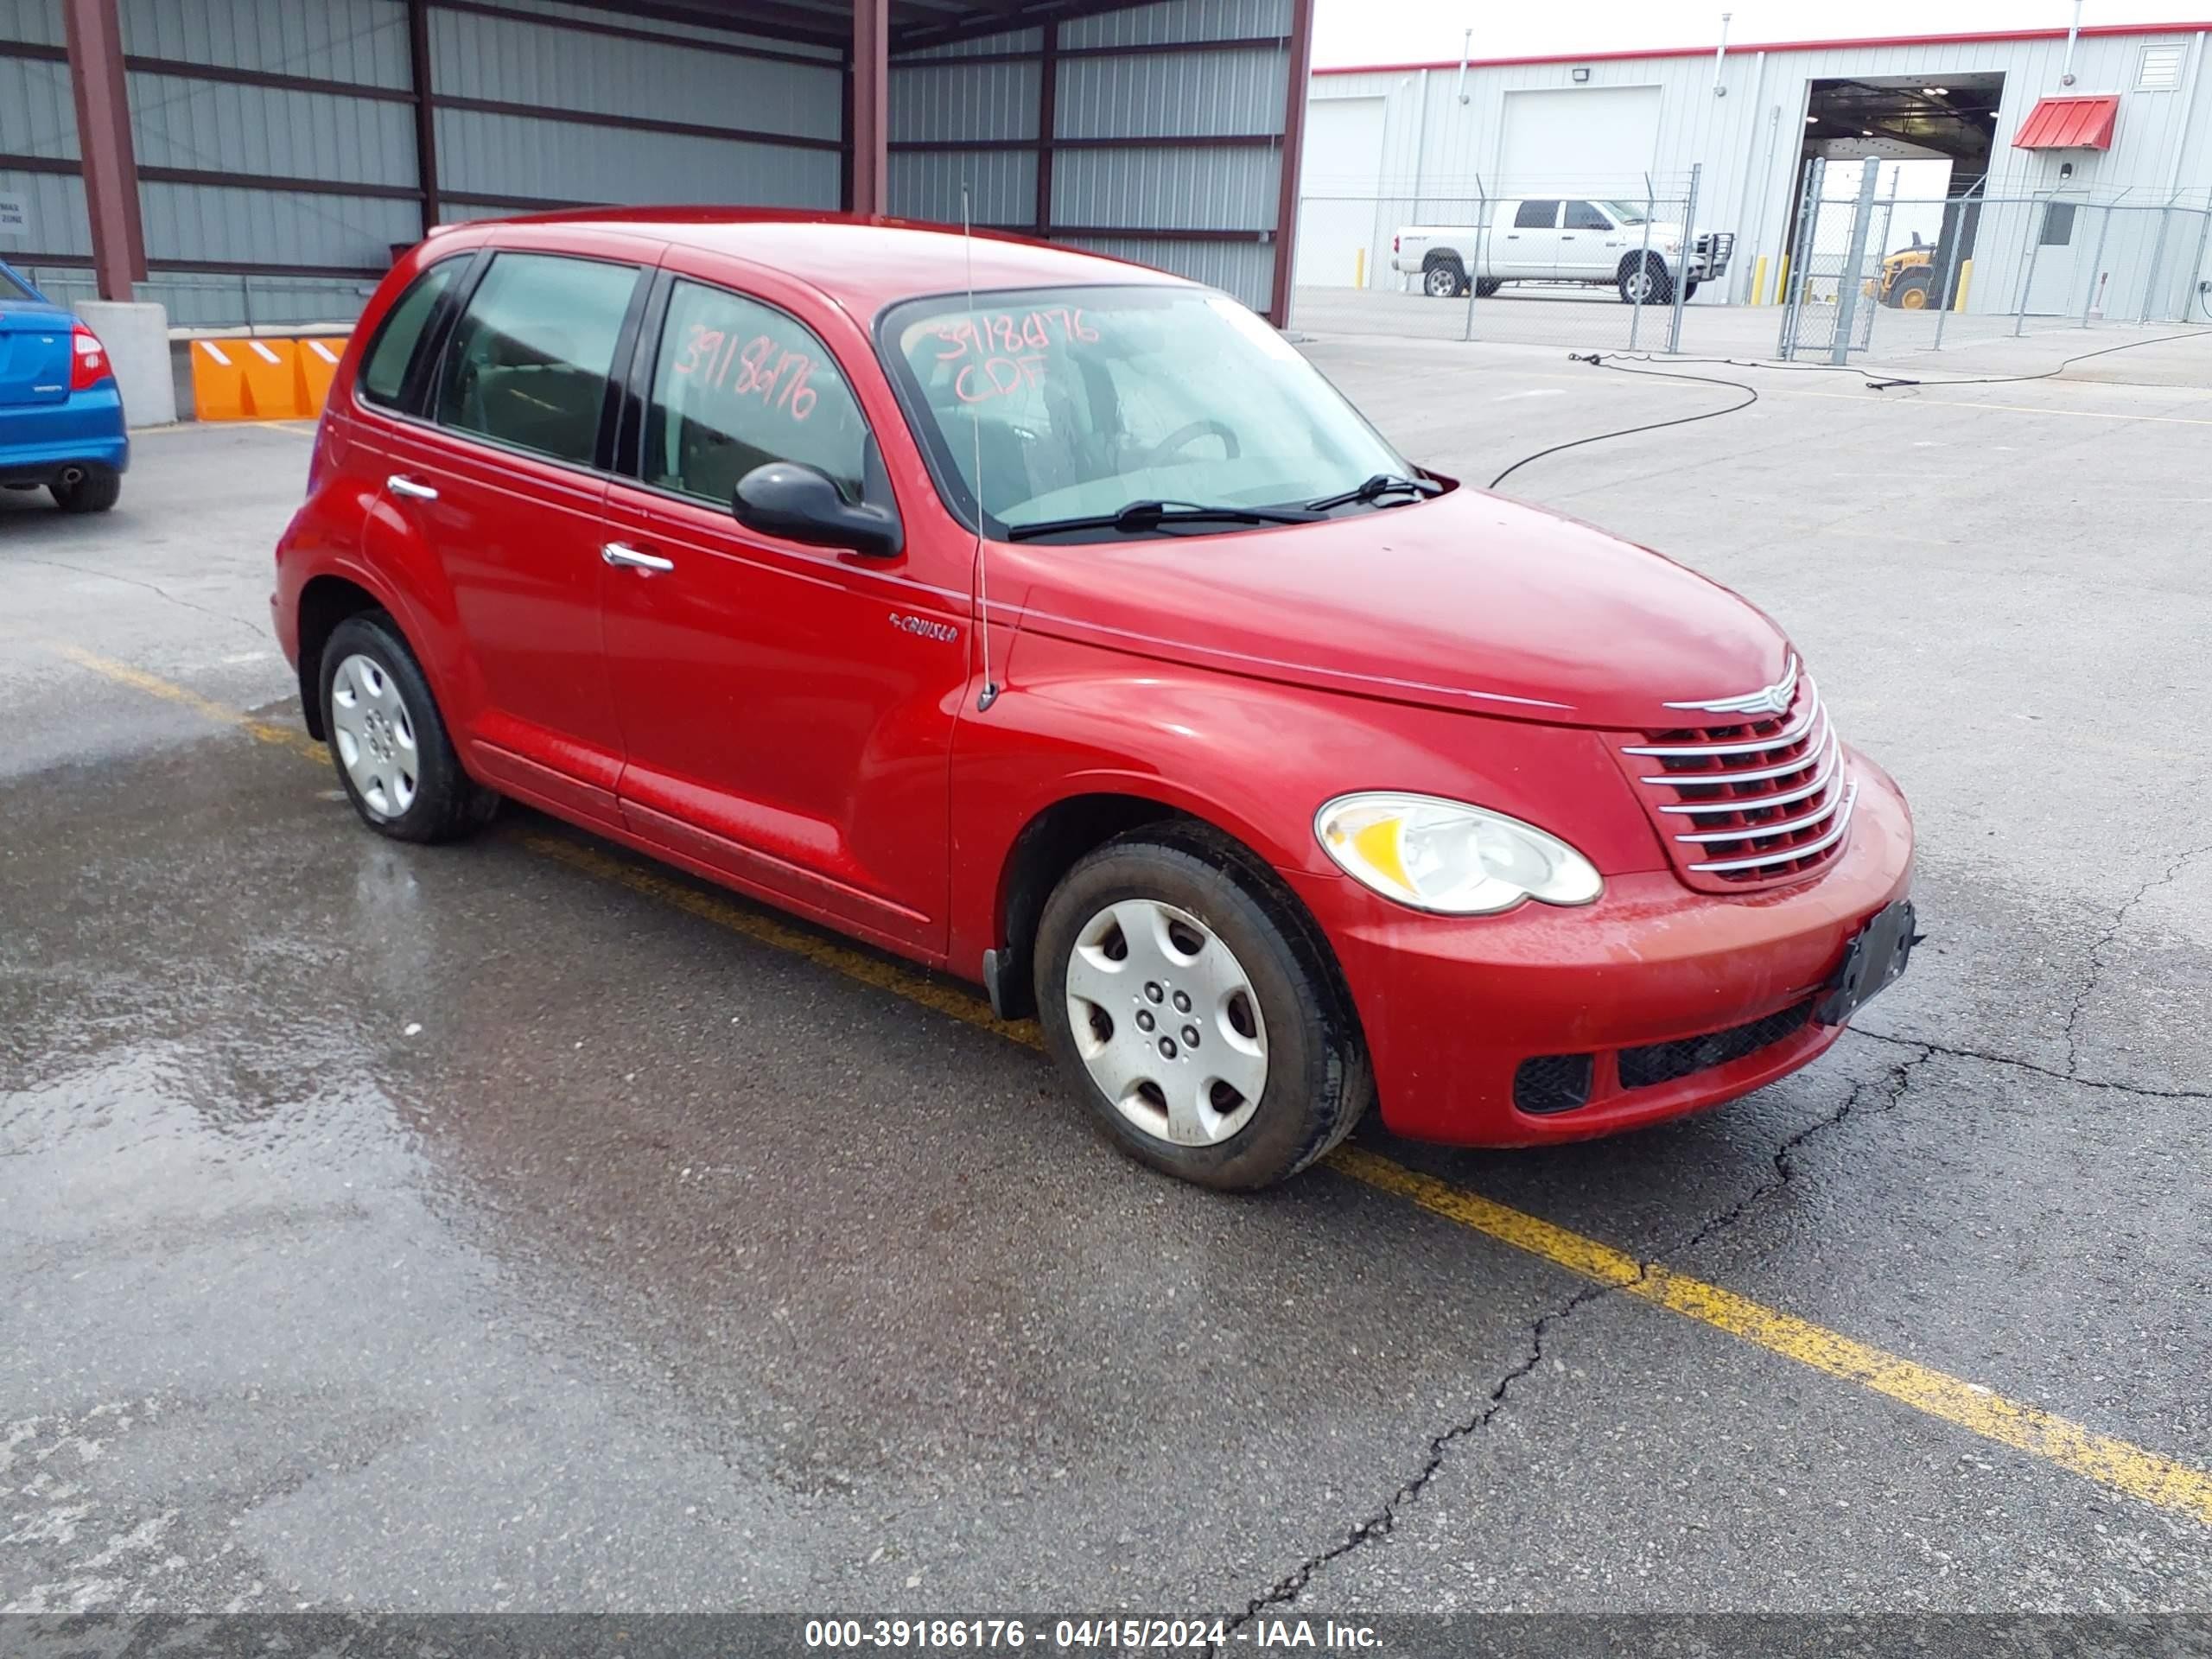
(1873, 961)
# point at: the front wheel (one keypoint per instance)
(1193, 1006)
(1488, 286)
(388, 741)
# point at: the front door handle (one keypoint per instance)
(614, 553)
(400, 484)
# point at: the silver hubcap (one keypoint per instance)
(1639, 285)
(1168, 1023)
(1441, 282)
(375, 735)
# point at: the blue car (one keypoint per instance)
(60, 412)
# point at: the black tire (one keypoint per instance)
(1912, 293)
(96, 492)
(1442, 277)
(1661, 289)
(1318, 1082)
(1689, 290)
(447, 803)
(1488, 286)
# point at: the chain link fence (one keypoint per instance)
(1870, 273)
(1611, 264)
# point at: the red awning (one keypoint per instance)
(2068, 123)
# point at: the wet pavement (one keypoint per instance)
(494, 1227)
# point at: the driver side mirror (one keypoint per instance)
(798, 502)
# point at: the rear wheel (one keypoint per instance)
(93, 490)
(388, 741)
(1194, 1008)
(1912, 293)
(1442, 278)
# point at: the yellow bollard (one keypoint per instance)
(1965, 276)
(1359, 269)
(1782, 282)
(1758, 282)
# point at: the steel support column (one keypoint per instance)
(871, 107)
(109, 162)
(1048, 119)
(1293, 151)
(426, 122)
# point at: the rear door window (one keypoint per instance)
(384, 374)
(528, 363)
(737, 384)
(1537, 215)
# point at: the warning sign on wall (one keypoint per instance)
(14, 218)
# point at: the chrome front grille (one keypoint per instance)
(1763, 799)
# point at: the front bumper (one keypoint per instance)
(1452, 1007)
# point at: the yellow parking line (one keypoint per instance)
(284, 737)
(2176, 1487)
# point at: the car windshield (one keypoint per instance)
(1624, 213)
(1078, 402)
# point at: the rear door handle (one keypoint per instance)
(616, 554)
(400, 484)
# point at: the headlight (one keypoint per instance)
(1448, 856)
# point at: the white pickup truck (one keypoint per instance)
(1560, 239)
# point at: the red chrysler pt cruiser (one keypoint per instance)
(1051, 621)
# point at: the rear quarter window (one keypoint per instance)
(384, 372)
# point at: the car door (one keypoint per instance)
(1589, 244)
(1530, 241)
(787, 710)
(504, 477)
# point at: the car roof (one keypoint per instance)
(863, 263)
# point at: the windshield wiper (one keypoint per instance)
(1139, 516)
(1375, 488)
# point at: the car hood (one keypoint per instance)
(1466, 602)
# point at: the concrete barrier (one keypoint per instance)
(138, 340)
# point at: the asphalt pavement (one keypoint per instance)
(518, 1227)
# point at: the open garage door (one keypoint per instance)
(1594, 139)
(1339, 244)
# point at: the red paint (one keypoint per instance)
(1639, 53)
(801, 723)
(2068, 123)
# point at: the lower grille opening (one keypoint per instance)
(1551, 1082)
(1658, 1063)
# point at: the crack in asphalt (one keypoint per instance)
(151, 587)
(2097, 951)
(1379, 1524)
(2014, 1060)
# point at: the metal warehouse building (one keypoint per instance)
(258, 161)
(2064, 172)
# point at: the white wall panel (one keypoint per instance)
(37, 22)
(1167, 189)
(1003, 183)
(361, 41)
(187, 223)
(216, 126)
(58, 224)
(646, 23)
(520, 155)
(1243, 269)
(1176, 21)
(947, 99)
(38, 117)
(510, 62)
(1171, 94)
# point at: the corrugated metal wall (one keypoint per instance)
(1748, 141)
(38, 124)
(241, 109)
(1172, 158)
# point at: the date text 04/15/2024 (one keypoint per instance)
(1122, 1635)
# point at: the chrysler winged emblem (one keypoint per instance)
(1767, 700)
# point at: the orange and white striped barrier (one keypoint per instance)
(318, 363)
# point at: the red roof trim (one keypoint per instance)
(1748, 46)
(2068, 123)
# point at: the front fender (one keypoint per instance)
(1253, 757)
